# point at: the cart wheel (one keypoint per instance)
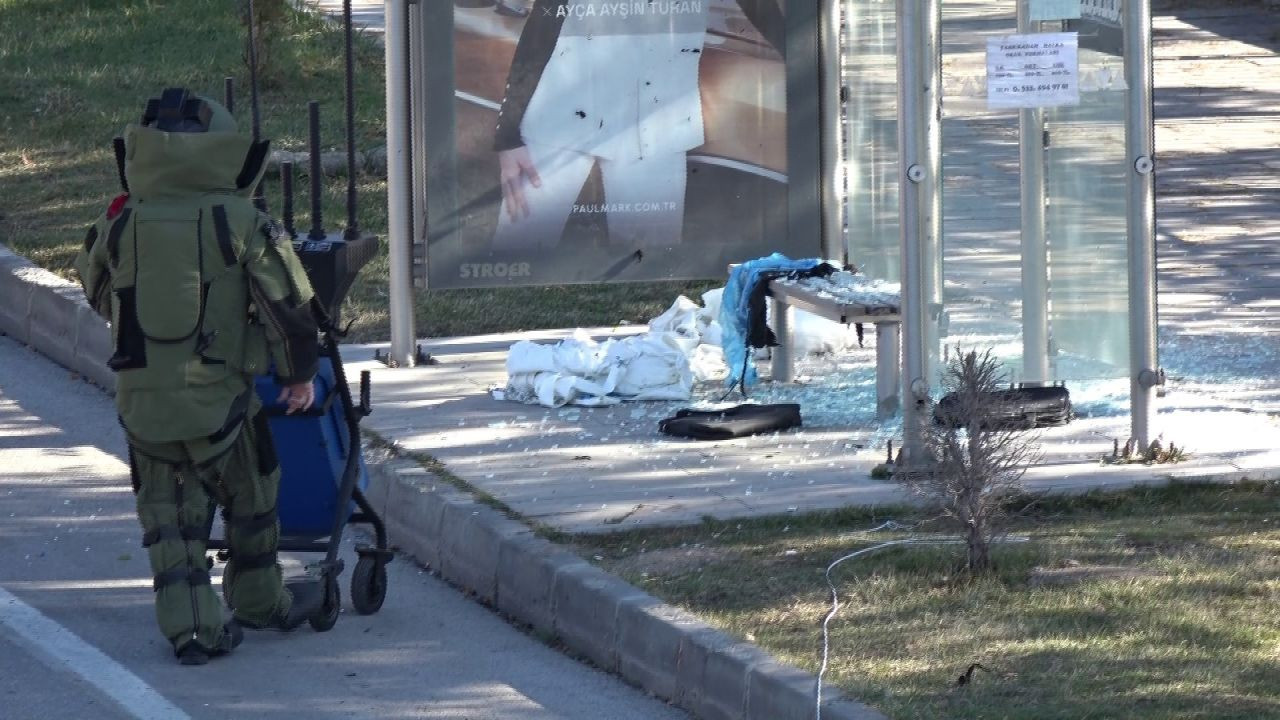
(227, 579)
(368, 585)
(324, 620)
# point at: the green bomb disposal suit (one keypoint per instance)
(202, 291)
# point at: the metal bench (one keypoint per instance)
(787, 294)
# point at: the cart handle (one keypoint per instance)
(365, 405)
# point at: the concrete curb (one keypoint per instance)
(659, 648)
(51, 315)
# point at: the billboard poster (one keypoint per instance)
(610, 140)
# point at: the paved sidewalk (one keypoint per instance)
(600, 469)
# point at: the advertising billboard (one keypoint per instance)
(610, 140)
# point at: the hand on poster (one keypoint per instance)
(515, 165)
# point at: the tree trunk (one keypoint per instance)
(979, 550)
(269, 18)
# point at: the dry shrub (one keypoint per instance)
(970, 467)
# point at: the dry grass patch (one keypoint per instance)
(1150, 603)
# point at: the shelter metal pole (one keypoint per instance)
(398, 222)
(1035, 249)
(1140, 146)
(918, 115)
(930, 187)
(831, 161)
(417, 114)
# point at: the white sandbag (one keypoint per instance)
(554, 390)
(579, 355)
(711, 302)
(707, 363)
(580, 371)
(654, 367)
(681, 318)
(713, 335)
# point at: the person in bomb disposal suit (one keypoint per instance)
(202, 292)
(613, 84)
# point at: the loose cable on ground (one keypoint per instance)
(835, 597)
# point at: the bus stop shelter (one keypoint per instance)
(866, 131)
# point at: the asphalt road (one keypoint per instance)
(78, 637)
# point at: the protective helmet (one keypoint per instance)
(178, 110)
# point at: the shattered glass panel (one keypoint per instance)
(1085, 215)
(869, 71)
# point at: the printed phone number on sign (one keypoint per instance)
(1034, 88)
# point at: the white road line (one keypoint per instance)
(61, 649)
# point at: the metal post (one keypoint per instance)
(1035, 249)
(888, 369)
(920, 206)
(832, 155)
(255, 115)
(353, 226)
(417, 145)
(400, 255)
(1140, 150)
(317, 172)
(286, 192)
(782, 368)
(930, 187)
(259, 199)
(229, 94)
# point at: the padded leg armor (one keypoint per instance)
(179, 482)
(254, 586)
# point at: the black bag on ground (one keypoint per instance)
(737, 421)
(1013, 409)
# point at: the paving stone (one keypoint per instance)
(725, 681)
(94, 348)
(695, 647)
(650, 635)
(53, 321)
(586, 612)
(780, 692)
(471, 536)
(412, 512)
(527, 568)
(15, 306)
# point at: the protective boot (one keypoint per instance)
(193, 653)
(307, 601)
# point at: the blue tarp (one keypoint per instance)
(735, 321)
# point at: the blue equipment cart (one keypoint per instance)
(313, 447)
(322, 470)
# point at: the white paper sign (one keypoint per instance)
(1054, 10)
(1030, 71)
